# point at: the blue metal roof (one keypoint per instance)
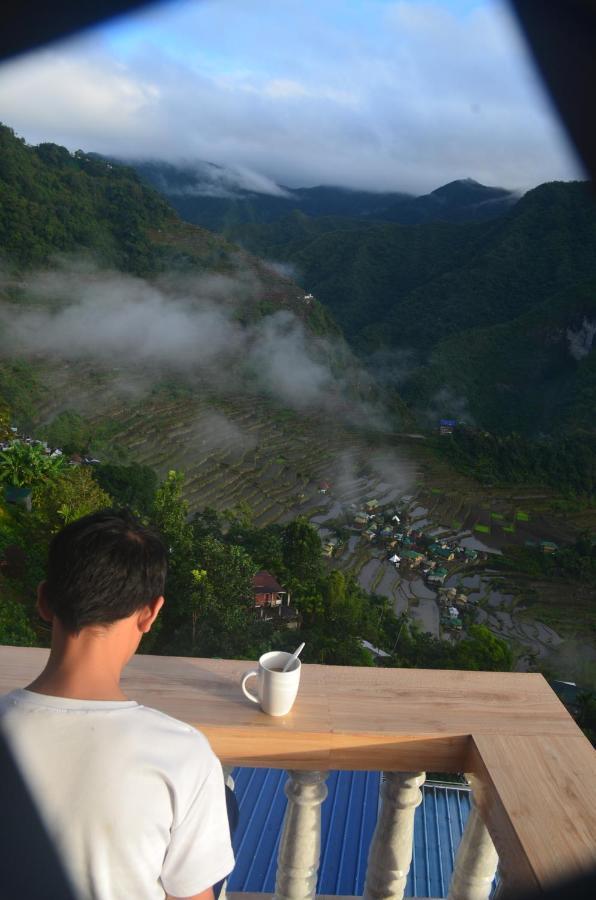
(349, 815)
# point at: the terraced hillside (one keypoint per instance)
(233, 448)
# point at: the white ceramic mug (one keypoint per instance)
(276, 690)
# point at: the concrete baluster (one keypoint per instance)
(390, 854)
(300, 845)
(475, 863)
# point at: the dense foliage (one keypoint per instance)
(478, 316)
(52, 201)
(20, 391)
(209, 609)
(576, 561)
(567, 463)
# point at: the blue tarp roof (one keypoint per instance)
(349, 816)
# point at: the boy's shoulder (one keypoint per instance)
(129, 722)
(173, 735)
(160, 721)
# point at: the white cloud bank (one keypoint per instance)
(382, 96)
(189, 327)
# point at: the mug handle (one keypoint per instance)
(245, 690)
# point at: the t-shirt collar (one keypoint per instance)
(22, 695)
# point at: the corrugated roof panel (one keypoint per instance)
(348, 820)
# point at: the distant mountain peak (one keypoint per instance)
(468, 189)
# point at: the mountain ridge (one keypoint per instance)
(219, 198)
(415, 293)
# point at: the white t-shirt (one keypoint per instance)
(133, 799)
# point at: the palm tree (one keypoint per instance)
(24, 465)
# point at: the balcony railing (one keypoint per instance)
(532, 771)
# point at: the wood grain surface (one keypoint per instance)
(534, 771)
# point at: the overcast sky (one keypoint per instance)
(363, 93)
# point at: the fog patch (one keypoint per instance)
(198, 328)
(284, 365)
(283, 269)
(204, 179)
(448, 404)
(581, 341)
(215, 432)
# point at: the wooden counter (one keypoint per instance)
(532, 766)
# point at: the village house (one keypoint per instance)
(330, 545)
(442, 551)
(273, 601)
(447, 426)
(437, 576)
(324, 487)
(360, 520)
(376, 651)
(548, 547)
(412, 557)
(267, 590)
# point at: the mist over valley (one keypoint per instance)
(293, 362)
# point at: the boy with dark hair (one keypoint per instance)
(133, 799)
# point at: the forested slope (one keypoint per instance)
(485, 312)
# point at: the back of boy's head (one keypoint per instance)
(102, 568)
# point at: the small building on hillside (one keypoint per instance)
(412, 557)
(330, 545)
(376, 651)
(372, 505)
(324, 487)
(447, 426)
(268, 591)
(437, 576)
(360, 520)
(272, 601)
(548, 547)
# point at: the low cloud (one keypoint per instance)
(389, 96)
(192, 327)
(285, 270)
(208, 180)
(216, 432)
(581, 340)
(448, 404)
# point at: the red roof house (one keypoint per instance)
(268, 591)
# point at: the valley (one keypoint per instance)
(247, 453)
(184, 352)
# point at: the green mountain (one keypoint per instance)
(52, 201)
(220, 198)
(88, 217)
(479, 317)
(56, 205)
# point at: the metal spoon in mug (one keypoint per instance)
(293, 657)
